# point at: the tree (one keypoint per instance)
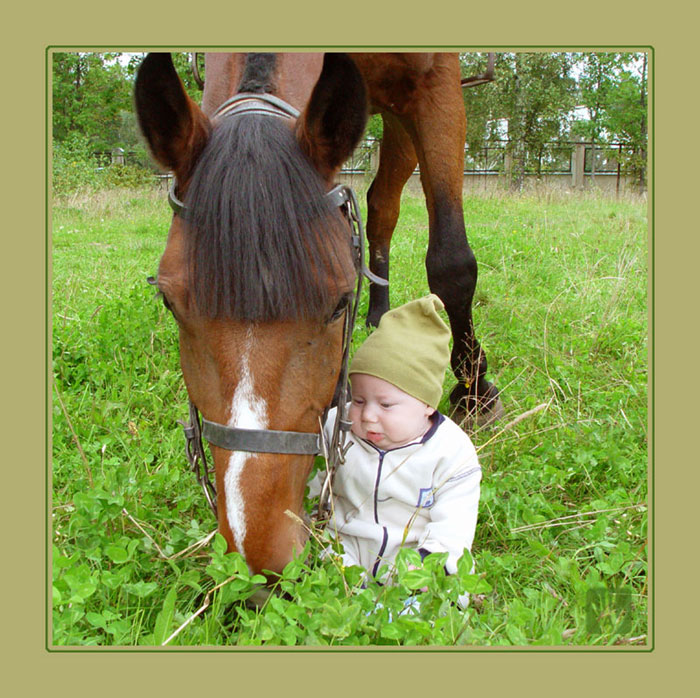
(613, 90)
(531, 101)
(90, 90)
(533, 94)
(93, 99)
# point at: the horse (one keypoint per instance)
(259, 271)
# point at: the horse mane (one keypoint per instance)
(262, 237)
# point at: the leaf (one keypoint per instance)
(191, 579)
(164, 619)
(116, 553)
(293, 569)
(538, 548)
(465, 564)
(81, 584)
(407, 557)
(96, 620)
(140, 589)
(390, 631)
(475, 584)
(59, 560)
(266, 633)
(515, 634)
(435, 561)
(120, 629)
(415, 579)
(219, 544)
(289, 636)
(239, 565)
(82, 591)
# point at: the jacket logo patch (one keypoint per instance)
(425, 497)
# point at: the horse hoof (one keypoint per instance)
(484, 416)
(373, 320)
(493, 414)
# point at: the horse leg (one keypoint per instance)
(450, 262)
(397, 160)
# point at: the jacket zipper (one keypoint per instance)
(385, 537)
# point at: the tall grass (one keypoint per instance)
(561, 547)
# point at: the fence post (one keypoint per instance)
(577, 166)
(374, 160)
(507, 173)
(118, 156)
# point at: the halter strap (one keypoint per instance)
(261, 441)
(256, 103)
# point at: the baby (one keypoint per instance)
(411, 476)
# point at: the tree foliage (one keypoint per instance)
(613, 90)
(93, 96)
(535, 100)
(91, 91)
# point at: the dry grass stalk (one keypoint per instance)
(573, 519)
(76, 440)
(199, 611)
(197, 545)
(312, 532)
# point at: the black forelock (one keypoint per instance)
(262, 238)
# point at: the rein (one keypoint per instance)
(267, 440)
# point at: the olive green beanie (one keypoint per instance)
(409, 349)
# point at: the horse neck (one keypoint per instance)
(295, 74)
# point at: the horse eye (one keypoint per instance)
(341, 307)
(165, 302)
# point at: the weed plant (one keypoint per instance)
(560, 555)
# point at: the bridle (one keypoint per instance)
(334, 449)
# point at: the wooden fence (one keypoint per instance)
(567, 165)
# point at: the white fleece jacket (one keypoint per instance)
(424, 495)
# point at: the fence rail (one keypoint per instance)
(552, 158)
(574, 159)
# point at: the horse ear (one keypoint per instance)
(174, 126)
(335, 117)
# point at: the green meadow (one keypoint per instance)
(561, 551)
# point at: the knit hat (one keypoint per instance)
(409, 349)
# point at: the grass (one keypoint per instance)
(561, 546)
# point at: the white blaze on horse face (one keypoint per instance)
(248, 411)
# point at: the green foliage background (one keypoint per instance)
(561, 548)
(535, 99)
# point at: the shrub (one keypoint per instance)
(76, 168)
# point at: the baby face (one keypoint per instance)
(384, 415)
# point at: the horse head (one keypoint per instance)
(257, 271)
